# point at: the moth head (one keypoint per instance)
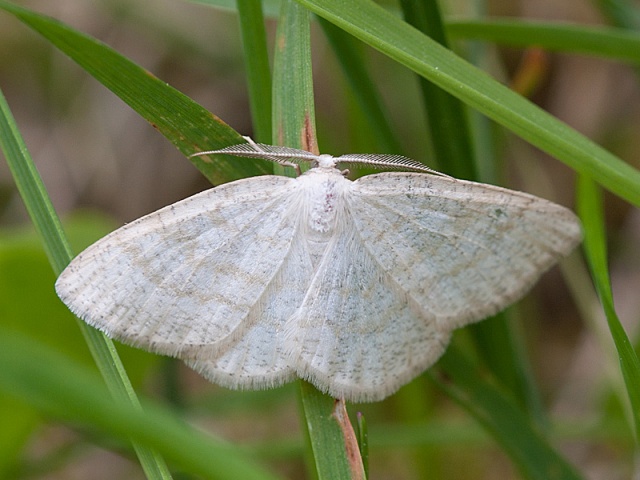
(325, 161)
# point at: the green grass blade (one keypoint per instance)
(32, 190)
(590, 209)
(182, 121)
(401, 42)
(506, 422)
(332, 438)
(46, 221)
(271, 7)
(363, 441)
(364, 91)
(294, 126)
(294, 122)
(47, 380)
(256, 59)
(502, 351)
(614, 43)
(451, 135)
(620, 12)
(446, 116)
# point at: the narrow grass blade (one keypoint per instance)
(451, 136)
(45, 219)
(401, 42)
(591, 213)
(335, 452)
(364, 91)
(271, 7)
(256, 60)
(509, 426)
(190, 127)
(294, 123)
(614, 43)
(502, 351)
(620, 12)
(446, 116)
(57, 386)
(333, 441)
(363, 441)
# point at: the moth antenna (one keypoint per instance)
(386, 162)
(292, 157)
(286, 156)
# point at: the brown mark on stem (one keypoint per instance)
(308, 140)
(350, 442)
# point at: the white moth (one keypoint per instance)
(355, 286)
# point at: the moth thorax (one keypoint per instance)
(326, 201)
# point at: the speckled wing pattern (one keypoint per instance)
(355, 286)
(197, 278)
(426, 255)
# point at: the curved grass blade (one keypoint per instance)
(47, 224)
(44, 378)
(614, 43)
(446, 116)
(375, 26)
(362, 87)
(190, 127)
(591, 213)
(506, 422)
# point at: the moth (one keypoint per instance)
(355, 286)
